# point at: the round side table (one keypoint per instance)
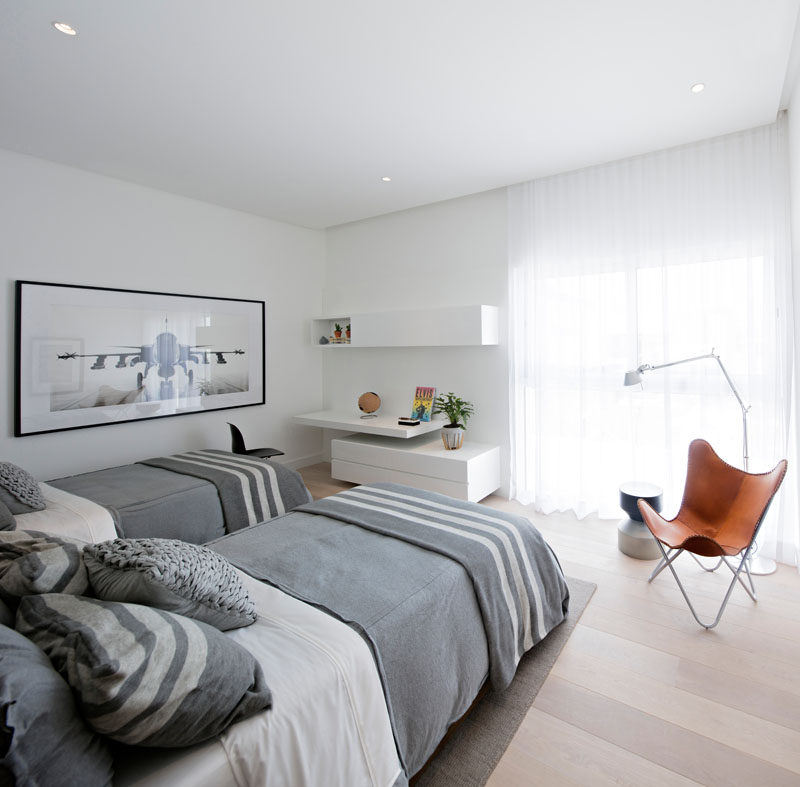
(633, 537)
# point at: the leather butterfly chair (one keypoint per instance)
(237, 446)
(721, 512)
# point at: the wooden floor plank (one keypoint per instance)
(751, 696)
(673, 747)
(578, 757)
(696, 645)
(649, 694)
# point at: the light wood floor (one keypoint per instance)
(641, 695)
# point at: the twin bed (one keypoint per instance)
(382, 611)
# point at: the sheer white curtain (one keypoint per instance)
(648, 260)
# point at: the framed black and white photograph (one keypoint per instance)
(89, 356)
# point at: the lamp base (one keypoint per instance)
(762, 566)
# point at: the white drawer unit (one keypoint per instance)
(468, 473)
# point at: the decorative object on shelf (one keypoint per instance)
(403, 421)
(368, 403)
(757, 565)
(337, 336)
(76, 366)
(347, 331)
(324, 340)
(633, 537)
(459, 412)
(423, 403)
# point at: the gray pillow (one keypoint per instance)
(43, 740)
(7, 521)
(144, 676)
(32, 562)
(173, 575)
(19, 490)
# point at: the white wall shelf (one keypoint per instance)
(442, 327)
(384, 425)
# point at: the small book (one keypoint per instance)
(403, 421)
(423, 403)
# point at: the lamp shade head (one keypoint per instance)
(633, 377)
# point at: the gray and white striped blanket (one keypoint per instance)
(519, 584)
(250, 490)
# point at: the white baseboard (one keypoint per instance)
(302, 461)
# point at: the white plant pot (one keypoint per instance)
(452, 437)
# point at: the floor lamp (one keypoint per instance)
(758, 565)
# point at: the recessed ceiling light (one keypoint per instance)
(386, 179)
(63, 27)
(699, 87)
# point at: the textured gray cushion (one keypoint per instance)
(19, 490)
(173, 575)
(6, 617)
(144, 676)
(32, 562)
(43, 740)
(7, 521)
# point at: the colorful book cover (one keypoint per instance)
(423, 403)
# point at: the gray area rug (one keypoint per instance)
(474, 748)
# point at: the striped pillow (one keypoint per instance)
(32, 562)
(43, 740)
(144, 676)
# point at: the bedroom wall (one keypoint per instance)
(450, 253)
(65, 225)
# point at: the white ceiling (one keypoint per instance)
(295, 110)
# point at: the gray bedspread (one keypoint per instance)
(250, 490)
(518, 581)
(147, 502)
(386, 560)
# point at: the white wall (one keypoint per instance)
(59, 224)
(447, 254)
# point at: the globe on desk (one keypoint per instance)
(368, 403)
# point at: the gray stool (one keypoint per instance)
(633, 537)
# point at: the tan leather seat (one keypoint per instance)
(720, 514)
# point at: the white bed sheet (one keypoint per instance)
(69, 515)
(328, 725)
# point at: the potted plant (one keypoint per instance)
(337, 330)
(458, 411)
(347, 330)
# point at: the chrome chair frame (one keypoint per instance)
(669, 558)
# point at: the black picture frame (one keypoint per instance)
(95, 356)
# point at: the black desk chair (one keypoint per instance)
(237, 446)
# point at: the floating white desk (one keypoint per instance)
(385, 425)
(468, 473)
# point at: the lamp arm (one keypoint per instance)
(745, 408)
(647, 367)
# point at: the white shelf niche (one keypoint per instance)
(442, 327)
